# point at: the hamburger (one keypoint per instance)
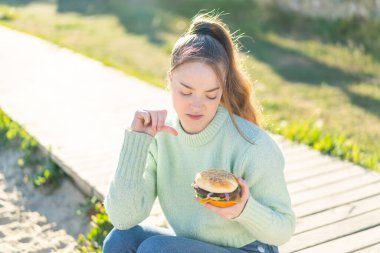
(218, 187)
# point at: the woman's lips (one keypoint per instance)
(194, 117)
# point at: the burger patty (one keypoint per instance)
(233, 195)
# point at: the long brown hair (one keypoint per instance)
(209, 40)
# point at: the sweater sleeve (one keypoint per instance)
(132, 189)
(268, 214)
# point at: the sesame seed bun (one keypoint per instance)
(217, 181)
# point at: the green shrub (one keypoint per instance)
(100, 223)
(45, 171)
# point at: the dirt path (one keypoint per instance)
(31, 221)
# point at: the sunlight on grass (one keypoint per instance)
(350, 58)
(366, 90)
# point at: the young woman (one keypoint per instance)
(215, 126)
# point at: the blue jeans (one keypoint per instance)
(151, 239)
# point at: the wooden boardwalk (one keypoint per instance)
(337, 204)
(80, 108)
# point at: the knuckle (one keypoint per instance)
(146, 112)
(141, 112)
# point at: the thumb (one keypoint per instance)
(244, 187)
(169, 130)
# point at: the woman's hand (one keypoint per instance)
(151, 122)
(235, 210)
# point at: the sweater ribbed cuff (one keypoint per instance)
(255, 215)
(132, 158)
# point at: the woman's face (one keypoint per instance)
(196, 94)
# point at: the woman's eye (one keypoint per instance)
(188, 94)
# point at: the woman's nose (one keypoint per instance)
(197, 103)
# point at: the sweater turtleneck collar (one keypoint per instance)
(206, 134)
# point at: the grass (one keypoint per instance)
(100, 224)
(45, 174)
(311, 133)
(304, 71)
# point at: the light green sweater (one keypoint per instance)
(165, 166)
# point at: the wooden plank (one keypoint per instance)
(371, 249)
(296, 149)
(314, 170)
(90, 157)
(94, 166)
(314, 161)
(101, 190)
(284, 144)
(302, 155)
(333, 231)
(337, 214)
(301, 162)
(349, 243)
(96, 177)
(323, 180)
(337, 187)
(336, 200)
(281, 141)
